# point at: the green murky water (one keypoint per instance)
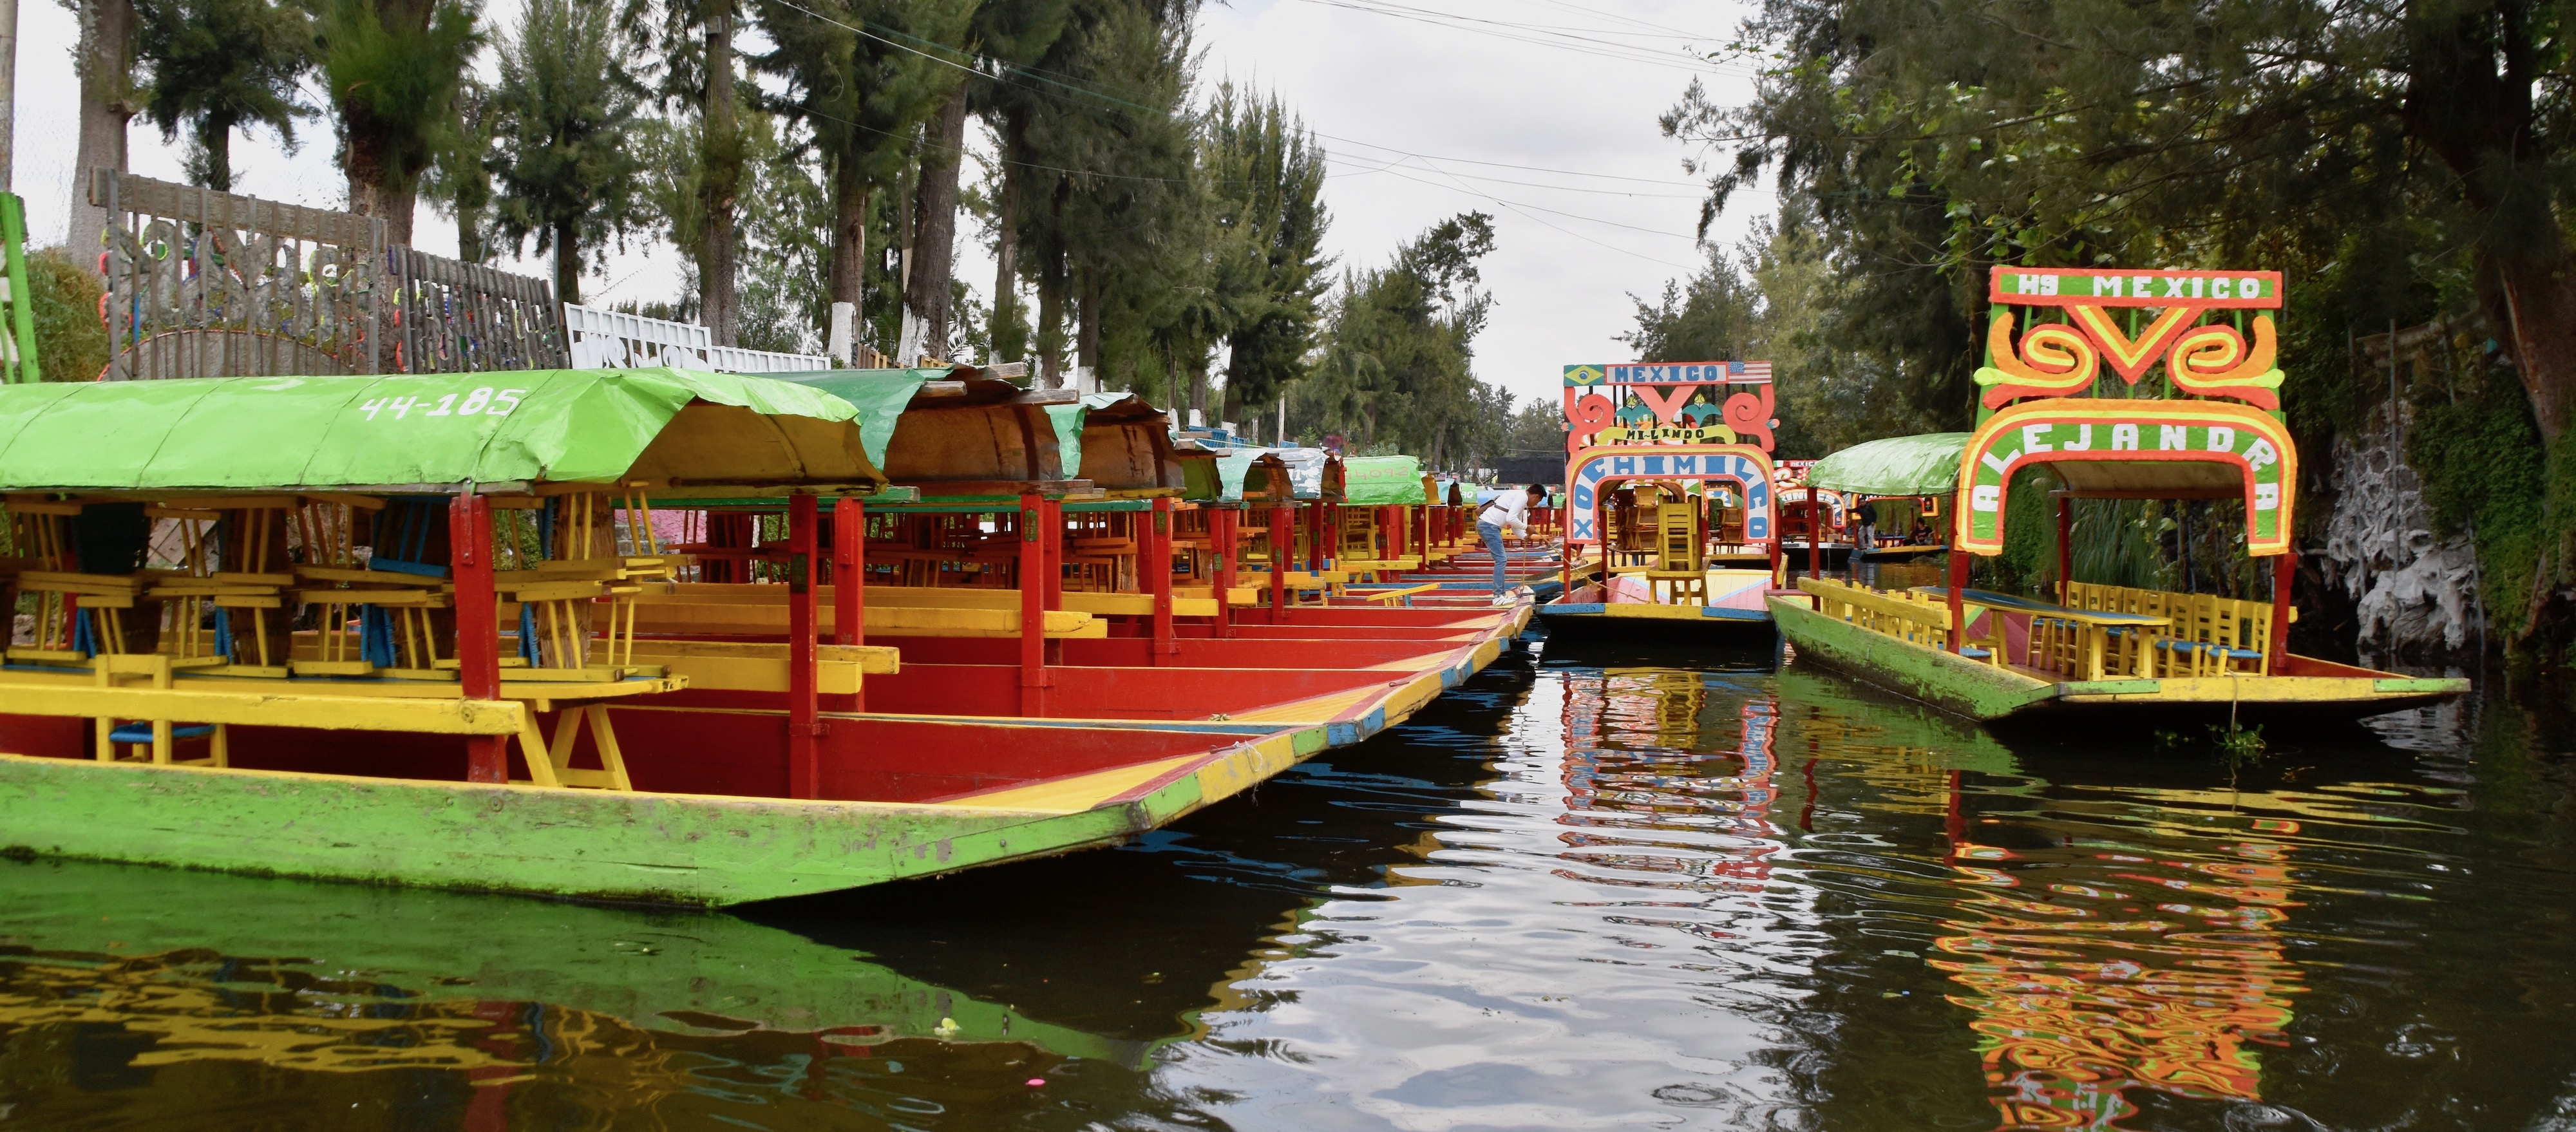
(1574, 894)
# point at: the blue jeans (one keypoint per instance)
(1492, 536)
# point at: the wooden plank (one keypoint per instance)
(264, 708)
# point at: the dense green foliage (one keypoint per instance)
(1394, 366)
(562, 110)
(63, 295)
(393, 69)
(213, 65)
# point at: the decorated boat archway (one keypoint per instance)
(1594, 470)
(2109, 448)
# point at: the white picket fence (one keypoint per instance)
(603, 339)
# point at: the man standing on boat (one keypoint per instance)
(1507, 511)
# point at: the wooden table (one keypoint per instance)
(2094, 625)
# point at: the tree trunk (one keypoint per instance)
(934, 225)
(720, 162)
(1005, 329)
(105, 61)
(849, 239)
(567, 265)
(1051, 323)
(215, 152)
(2470, 74)
(369, 196)
(1087, 334)
(469, 233)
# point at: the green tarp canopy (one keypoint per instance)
(271, 433)
(1899, 465)
(1068, 419)
(881, 395)
(1233, 466)
(1378, 481)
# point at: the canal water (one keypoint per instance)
(1580, 892)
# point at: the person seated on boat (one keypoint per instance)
(1508, 511)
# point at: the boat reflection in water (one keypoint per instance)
(1611, 782)
(2134, 971)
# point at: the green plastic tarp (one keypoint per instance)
(880, 395)
(1233, 466)
(1899, 465)
(1378, 481)
(327, 432)
(1068, 419)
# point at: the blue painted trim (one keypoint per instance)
(1733, 614)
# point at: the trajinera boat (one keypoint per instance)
(593, 633)
(1680, 505)
(1889, 525)
(2209, 430)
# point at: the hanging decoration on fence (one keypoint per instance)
(1668, 403)
(2052, 332)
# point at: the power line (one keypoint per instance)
(1540, 36)
(1519, 208)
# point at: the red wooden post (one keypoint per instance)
(1157, 566)
(2285, 576)
(1958, 582)
(849, 581)
(478, 632)
(1815, 538)
(1033, 604)
(1051, 536)
(1221, 535)
(804, 709)
(1314, 520)
(1279, 562)
(849, 572)
(2065, 549)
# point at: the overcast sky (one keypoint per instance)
(1538, 112)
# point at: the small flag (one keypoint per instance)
(1752, 371)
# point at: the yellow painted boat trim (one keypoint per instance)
(1317, 709)
(1077, 793)
(392, 684)
(1079, 601)
(1246, 767)
(2234, 689)
(1412, 663)
(762, 667)
(687, 613)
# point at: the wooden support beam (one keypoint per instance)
(1157, 567)
(849, 578)
(804, 706)
(1315, 536)
(478, 633)
(2285, 574)
(1958, 585)
(1033, 591)
(1221, 530)
(1280, 543)
(2065, 547)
